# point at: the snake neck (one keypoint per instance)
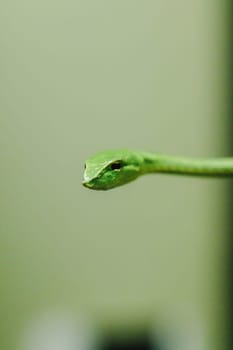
(156, 163)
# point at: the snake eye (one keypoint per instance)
(85, 166)
(116, 165)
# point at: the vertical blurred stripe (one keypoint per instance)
(229, 275)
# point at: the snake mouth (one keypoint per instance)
(90, 182)
(93, 185)
(87, 184)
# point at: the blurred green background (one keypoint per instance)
(78, 77)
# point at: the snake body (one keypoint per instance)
(110, 169)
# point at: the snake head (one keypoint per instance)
(110, 169)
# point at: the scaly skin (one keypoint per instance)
(110, 169)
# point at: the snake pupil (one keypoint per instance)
(116, 166)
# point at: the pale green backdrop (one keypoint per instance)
(82, 76)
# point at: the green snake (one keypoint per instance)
(110, 169)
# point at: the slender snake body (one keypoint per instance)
(110, 169)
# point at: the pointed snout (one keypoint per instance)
(87, 184)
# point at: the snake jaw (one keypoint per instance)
(87, 184)
(88, 181)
